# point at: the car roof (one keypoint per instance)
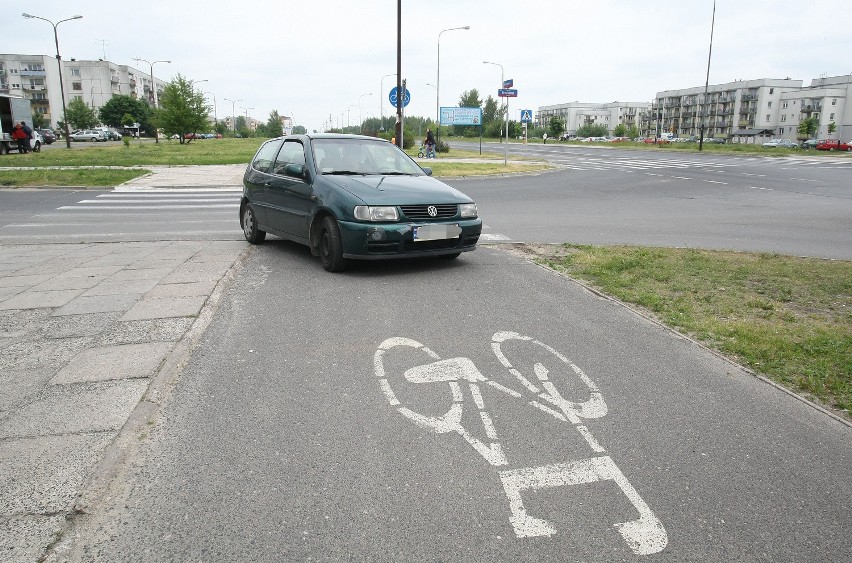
(338, 136)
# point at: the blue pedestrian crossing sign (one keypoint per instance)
(526, 116)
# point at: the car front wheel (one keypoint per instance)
(252, 233)
(331, 246)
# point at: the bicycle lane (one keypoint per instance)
(482, 409)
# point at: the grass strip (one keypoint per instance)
(787, 318)
(80, 177)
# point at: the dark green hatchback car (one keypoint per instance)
(353, 197)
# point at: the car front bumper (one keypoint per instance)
(377, 241)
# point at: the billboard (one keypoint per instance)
(461, 116)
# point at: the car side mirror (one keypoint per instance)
(295, 170)
(427, 170)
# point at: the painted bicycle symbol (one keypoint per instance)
(644, 535)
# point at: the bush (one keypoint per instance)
(441, 146)
(126, 140)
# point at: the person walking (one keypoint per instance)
(20, 137)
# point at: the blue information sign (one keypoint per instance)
(392, 97)
(461, 116)
(508, 83)
(526, 116)
(507, 93)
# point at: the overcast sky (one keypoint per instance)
(315, 59)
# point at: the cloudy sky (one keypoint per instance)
(317, 60)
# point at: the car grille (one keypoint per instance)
(422, 246)
(421, 212)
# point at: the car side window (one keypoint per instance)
(266, 156)
(291, 153)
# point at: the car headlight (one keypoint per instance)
(467, 209)
(370, 213)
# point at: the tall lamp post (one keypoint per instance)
(707, 81)
(59, 65)
(153, 88)
(233, 115)
(502, 80)
(246, 110)
(382, 101)
(438, 85)
(215, 119)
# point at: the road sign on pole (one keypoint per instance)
(507, 93)
(526, 116)
(508, 83)
(392, 97)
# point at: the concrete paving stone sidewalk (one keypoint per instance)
(84, 329)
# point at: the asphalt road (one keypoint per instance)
(483, 409)
(312, 424)
(800, 205)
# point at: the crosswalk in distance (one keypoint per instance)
(164, 199)
(630, 163)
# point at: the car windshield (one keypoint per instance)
(362, 157)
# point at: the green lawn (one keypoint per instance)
(787, 318)
(97, 177)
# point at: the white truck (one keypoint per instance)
(14, 109)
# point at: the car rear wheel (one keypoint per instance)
(37, 147)
(331, 246)
(252, 233)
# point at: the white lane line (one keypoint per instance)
(804, 180)
(652, 174)
(681, 178)
(758, 188)
(123, 195)
(715, 182)
(160, 207)
(102, 202)
(747, 174)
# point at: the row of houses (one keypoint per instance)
(739, 110)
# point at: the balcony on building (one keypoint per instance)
(32, 73)
(748, 97)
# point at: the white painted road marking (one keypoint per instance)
(644, 535)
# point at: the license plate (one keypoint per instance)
(436, 232)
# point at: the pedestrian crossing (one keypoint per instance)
(132, 199)
(603, 163)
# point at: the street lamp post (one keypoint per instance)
(502, 81)
(153, 89)
(215, 118)
(438, 85)
(382, 101)
(707, 81)
(59, 65)
(233, 115)
(246, 110)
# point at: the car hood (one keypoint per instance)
(397, 190)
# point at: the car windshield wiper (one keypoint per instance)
(396, 173)
(344, 173)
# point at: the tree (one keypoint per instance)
(592, 130)
(470, 99)
(632, 132)
(620, 130)
(116, 111)
(299, 130)
(79, 115)
(832, 127)
(808, 127)
(182, 110)
(273, 125)
(556, 127)
(491, 111)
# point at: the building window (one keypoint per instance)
(75, 72)
(76, 97)
(834, 101)
(783, 118)
(76, 85)
(783, 105)
(768, 117)
(772, 90)
(831, 117)
(769, 104)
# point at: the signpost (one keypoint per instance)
(507, 92)
(526, 118)
(462, 116)
(393, 94)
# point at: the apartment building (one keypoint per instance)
(36, 77)
(745, 110)
(577, 114)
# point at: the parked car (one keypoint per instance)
(353, 197)
(651, 140)
(834, 145)
(48, 135)
(810, 144)
(93, 135)
(781, 143)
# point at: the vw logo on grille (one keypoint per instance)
(432, 211)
